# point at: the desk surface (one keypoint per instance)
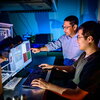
(31, 94)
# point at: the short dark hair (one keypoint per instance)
(72, 19)
(91, 28)
(17, 40)
(7, 42)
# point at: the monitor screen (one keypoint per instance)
(19, 57)
(5, 33)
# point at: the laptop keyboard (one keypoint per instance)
(39, 73)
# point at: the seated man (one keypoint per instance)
(86, 80)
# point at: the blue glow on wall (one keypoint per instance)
(42, 20)
(32, 23)
(90, 11)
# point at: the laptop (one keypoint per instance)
(39, 73)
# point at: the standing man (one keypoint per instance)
(68, 42)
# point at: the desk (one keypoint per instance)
(31, 94)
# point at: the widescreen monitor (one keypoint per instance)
(19, 57)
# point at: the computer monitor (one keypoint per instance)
(19, 57)
(6, 30)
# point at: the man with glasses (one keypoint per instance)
(68, 42)
(86, 82)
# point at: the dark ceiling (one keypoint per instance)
(27, 5)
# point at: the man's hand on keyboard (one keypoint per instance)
(46, 66)
(40, 83)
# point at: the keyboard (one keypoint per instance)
(5, 76)
(34, 75)
(12, 83)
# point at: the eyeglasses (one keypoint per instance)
(65, 27)
(78, 37)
